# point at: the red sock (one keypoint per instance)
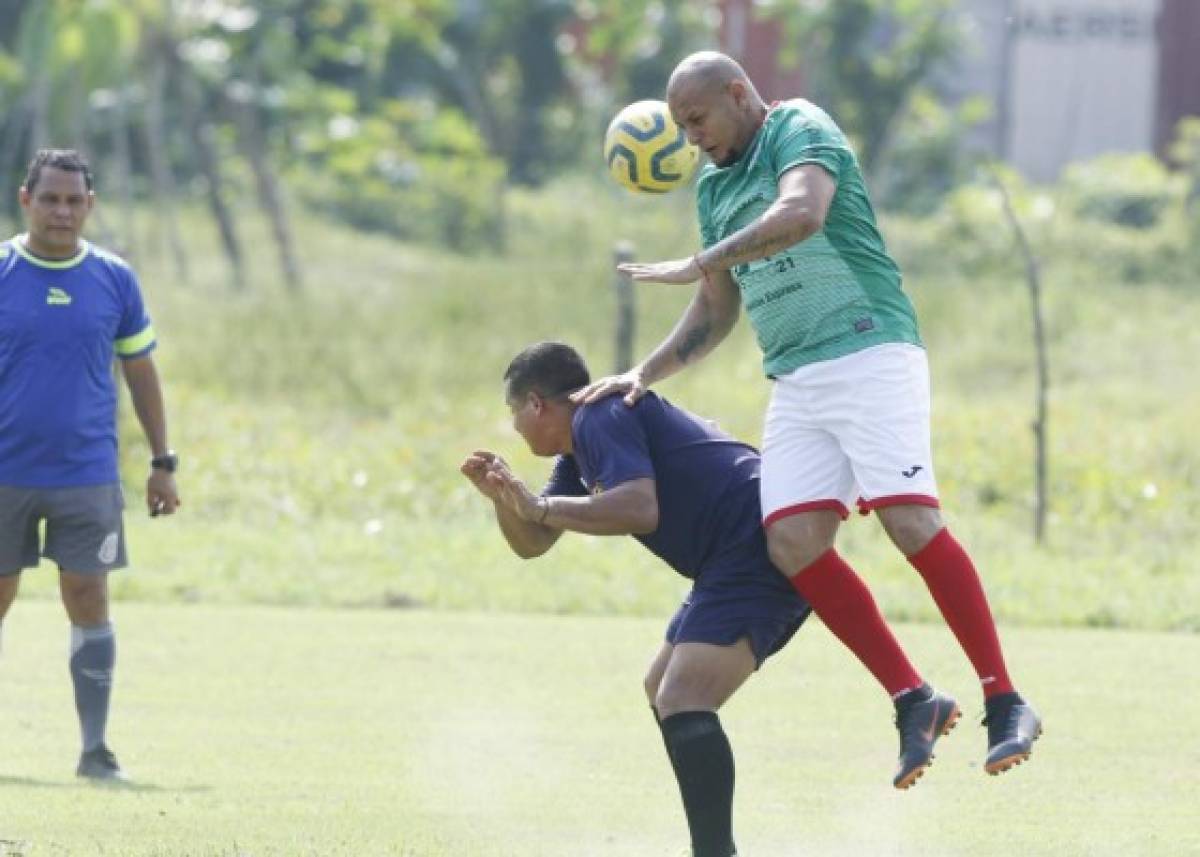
(846, 606)
(955, 586)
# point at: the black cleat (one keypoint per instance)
(1012, 726)
(920, 723)
(100, 764)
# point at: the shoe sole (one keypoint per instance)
(1008, 762)
(915, 774)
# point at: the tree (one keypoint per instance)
(866, 59)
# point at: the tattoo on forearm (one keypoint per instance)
(749, 245)
(693, 340)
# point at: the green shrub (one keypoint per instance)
(1127, 190)
(1083, 230)
(1185, 154)
(927, 157)
(412, 170)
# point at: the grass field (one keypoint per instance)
(256, 731)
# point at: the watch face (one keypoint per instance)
(168, 462)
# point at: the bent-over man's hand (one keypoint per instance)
(631, 384)
(475, 467)
(513, 493)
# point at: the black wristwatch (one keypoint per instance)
(168, 462)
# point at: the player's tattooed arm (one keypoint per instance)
(693, 340)
(702, 327)
(799, 212)
(765, 237)
(704, 324)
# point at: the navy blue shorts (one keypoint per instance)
(739, 593)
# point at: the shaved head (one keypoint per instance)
(707, 70)
(715, 103)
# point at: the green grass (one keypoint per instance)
(264, 731)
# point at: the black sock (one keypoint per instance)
(1002, 700)
(703, 763)
(910, 697)
(658, 722)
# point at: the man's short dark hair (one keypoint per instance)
(547, 368)
(67, 160)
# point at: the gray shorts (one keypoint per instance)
(85, 532)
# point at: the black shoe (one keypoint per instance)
(1012, 726)
(920, 723)
(99, 763)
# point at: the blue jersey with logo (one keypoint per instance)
(705, 479)
(61, 322)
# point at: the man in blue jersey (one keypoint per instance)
(689, 493)
(788, 232)
(66, 308)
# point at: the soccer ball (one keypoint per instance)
(646, 151)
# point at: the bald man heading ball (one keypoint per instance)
(789, 232)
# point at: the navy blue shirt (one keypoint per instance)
(60, 325)
(704, 478)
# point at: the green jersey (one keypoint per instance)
(832, 294)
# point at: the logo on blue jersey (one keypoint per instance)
(57, 297)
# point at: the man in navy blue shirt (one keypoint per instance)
(66, 308)
(689, 493)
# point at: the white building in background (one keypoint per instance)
(1067, 79)
(1073, 79)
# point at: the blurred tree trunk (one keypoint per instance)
(36, 53)
(15, 126)
(542, 78)
(204, 147)
(626, 327)
(208, 163)
(244, 99)
(1034, 281)
(80, 113)
(254, 145)
(463, 78)
(162, 182)
(122, 160)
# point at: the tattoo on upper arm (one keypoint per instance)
(693, 340)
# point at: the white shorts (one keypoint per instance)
(855, 428)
